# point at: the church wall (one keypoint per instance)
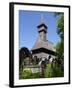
(40, 55)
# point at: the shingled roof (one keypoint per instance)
(43, 44)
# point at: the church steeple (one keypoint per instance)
(42, 47)
(42, 29)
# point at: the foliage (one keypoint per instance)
(60, 27)
(60, 32)
(36, 75)
(53, 71)
(48, 71)
(26, 73)
(60, 48)
(23, 54)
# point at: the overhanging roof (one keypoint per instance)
(43, 44)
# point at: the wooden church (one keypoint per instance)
(42, 47)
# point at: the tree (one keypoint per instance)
(60, 32)
(23, 53)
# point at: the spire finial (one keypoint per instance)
(42, 18)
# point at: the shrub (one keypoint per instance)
(48, 71)
(53, 71)
(36, 75)
(27, 73)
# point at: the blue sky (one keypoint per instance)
(28, 22)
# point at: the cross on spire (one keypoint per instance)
(42, 18)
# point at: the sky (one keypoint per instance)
(28, 22)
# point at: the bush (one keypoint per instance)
(36, 75)
(58, 72)
(27, 73)
(48, 71)
(53, 71)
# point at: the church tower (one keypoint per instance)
(42, 30)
